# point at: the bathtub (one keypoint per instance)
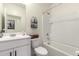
(59, 49)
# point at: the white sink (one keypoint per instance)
(8, 37)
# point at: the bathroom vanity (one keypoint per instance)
(15, 46)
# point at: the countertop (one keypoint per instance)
(17, 37)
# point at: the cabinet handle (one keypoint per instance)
(15, 53)
(10, 53)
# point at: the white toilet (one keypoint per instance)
(37, 46)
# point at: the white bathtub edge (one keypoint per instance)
(65, 53)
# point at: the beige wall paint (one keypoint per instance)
(16, 10)
(35, 10)
(26, 13)
(1, 13)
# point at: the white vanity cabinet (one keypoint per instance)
(16, 47)
(22, 51)
(6, 52)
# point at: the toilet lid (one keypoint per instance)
(41, 50)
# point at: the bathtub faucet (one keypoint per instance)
(48, 39)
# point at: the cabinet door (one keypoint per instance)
(6, 53)
(22, 51)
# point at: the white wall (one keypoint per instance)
(65, 27)
(16, 10)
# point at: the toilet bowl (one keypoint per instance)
(41, 51)
(38, 49)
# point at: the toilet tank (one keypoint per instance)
(36, 42)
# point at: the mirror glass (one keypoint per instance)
(12, 17)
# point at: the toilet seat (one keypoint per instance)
(41, 51)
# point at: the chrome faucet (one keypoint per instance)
(48, 39)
